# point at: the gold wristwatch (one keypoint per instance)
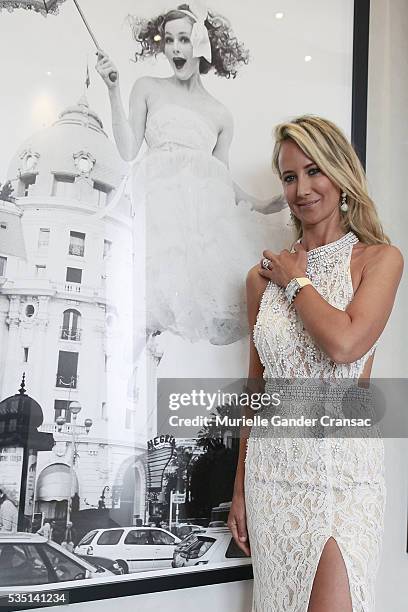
(294, 286)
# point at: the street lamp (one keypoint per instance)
(60, 421)
(75, 408)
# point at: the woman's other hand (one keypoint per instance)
(106, 67)
(237, 523)
(285, 266)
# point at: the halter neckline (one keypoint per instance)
(332, 247)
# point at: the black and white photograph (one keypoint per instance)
(138, 188)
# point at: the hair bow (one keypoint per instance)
(199, 34)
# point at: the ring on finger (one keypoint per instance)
(265, 263)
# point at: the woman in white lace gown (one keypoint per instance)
(309, 509)
(188, 220)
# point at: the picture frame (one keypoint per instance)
(358, 71)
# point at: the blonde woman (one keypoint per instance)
(310, 510)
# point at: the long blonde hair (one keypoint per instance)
(324, 143)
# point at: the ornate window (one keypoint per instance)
(70, 329)
(76, 244)
(67, 373)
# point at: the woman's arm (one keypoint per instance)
(255, 286)
(344, 336)
(128, 133)
(221, 152)
(237, 518)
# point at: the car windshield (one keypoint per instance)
(110, 538)
(22, 564)
(200, 547)
(87, 539)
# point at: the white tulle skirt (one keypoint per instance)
(197, 245)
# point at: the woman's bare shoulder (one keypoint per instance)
(382, 255)
(148, 84)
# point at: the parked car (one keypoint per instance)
(213, 545)
(182, 530)
(103, 562)
(29, 559)
(135, 549)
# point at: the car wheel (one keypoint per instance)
(123, 565)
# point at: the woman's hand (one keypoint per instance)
(285, 266)
(237, 523)
(105, 67)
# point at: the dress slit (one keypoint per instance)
(316, 565)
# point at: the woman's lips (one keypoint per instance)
(309, 204)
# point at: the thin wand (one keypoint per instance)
(112, 75)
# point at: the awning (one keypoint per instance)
(54, 483)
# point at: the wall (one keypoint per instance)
(386, 169)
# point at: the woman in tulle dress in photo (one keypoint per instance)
(196, 231)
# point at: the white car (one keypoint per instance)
(31, 559)
(135, 549)
(213, 545)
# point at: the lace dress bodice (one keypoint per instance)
(284, 346)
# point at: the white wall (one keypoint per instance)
(386, 168)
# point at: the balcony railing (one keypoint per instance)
(72, 287)
(70, 334)
(66, 383)
(76, 249)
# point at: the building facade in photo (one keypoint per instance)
(66, 314)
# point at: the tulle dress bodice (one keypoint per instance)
(173, 126)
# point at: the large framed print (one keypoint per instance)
(134, 199)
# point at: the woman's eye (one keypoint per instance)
(168, 40)
(288, 178)
(313, 171)
(184, 40)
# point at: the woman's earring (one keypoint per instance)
(344, 205)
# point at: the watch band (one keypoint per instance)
(294, 286)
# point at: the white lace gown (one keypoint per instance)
(198, 244)
(301, 491)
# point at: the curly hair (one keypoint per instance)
(227, 52)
